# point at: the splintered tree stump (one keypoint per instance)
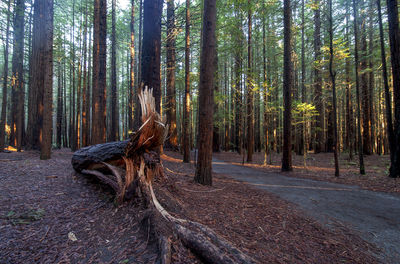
(129, 168)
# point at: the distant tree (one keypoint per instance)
(319, 125)
(250, 95)
(206, 94)
(186, 99)
(114, 89)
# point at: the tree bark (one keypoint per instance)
(17, 85)
(99, 85)
(172, 142)
(360, 143)
(186, 98)
(131, 93)
(250, 95)
(394, 39)
(206, 94)
(332, 74)
(114, 135)
(152, 48)
(319, 124)
(287, 87)
(388, 97)
(5, 82)
(47, 131)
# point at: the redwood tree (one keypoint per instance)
(5, 82)
(172, 142)
(99, 72)
(151, 48)
(186, 99)
(17, 84)
(394, 38)
(206, 94)
(47, 68)
(287, 87)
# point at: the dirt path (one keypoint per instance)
(44, 207)
(374, 215)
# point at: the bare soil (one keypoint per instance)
(44, 205)
(321, 167)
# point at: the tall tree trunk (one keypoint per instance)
(114, 89)
(151, 49)
(172, 142)
(59, 106)
(237, 86)
(85, 90)
(73, 85)
(99, 72)
(388, 97)
(47, 131)
(394, 38)
(136, 121)
(5, 82)
(216, 122)
(265, 89)
(332, 74)
(319, 124)
(365, 98)
(131, 92)
(360, 143)
(250, 95)
(186, 98)
(302, 129)
(371, 76)
(206, 94)
(287, 86)
(349, 107)
(17, 84)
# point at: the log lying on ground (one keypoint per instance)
(141, 160)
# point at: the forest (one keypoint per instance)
(210, 125)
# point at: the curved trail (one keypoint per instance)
(375, 216)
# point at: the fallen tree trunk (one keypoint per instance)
(140, 158)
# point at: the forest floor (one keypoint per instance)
(50, 214)
(321, 167)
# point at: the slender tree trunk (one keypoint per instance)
(238, 87)
(250, 95)
(394, 38)
(85, 97)
(287, 86)
(360, 143)
(17, 85)
(99, 110)
(303, 81)
(332, 74)
(114, 89)
(349, 107)
(319, 125)
(5, 81)
(388, 97)
(186, 98)
(131, 92)
(47, 132)
(59, 106)
(216, 122)
(73, 85)
(206, 94)
(265, 89)
(371, 76)
(136, 121)
(172, 142)
(152, 49)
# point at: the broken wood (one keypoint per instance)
(140, 158)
